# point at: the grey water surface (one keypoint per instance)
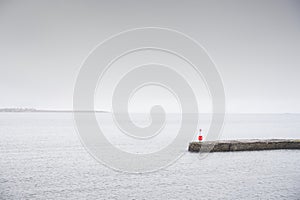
(41, 157)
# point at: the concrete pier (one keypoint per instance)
(244, 145)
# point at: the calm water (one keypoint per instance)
(42, 158)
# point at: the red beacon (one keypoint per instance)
(200, 137)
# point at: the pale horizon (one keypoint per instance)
(255, 47)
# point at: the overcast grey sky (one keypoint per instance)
(255, 45)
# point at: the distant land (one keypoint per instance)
(32, 110)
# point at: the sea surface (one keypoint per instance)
(41, 157)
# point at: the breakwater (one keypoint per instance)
(244, 145)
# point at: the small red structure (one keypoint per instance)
(200, 137)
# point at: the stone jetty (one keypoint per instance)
(244, 145)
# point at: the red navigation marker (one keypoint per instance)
(200, 137)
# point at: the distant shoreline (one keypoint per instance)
(29, 110)
(33, 110)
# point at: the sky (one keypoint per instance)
(255, 45)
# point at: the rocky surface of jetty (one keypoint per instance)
(243, 145)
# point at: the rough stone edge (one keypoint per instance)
(244, 145)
